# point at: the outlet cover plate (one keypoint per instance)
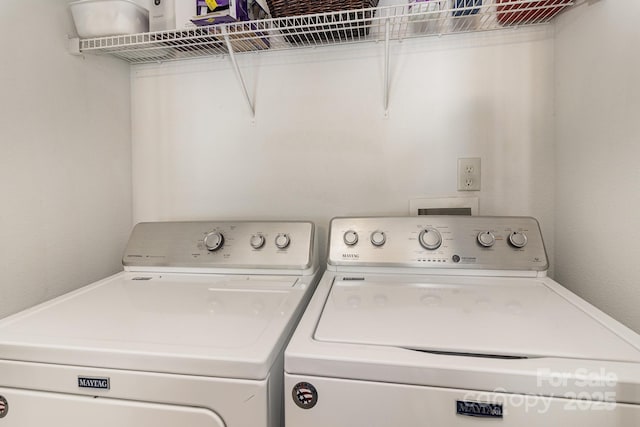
(469, 176)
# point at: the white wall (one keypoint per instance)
(65, 158)
(321, 146)
(598, 156)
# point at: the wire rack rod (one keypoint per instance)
(414, 19)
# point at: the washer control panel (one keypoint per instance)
(266, 245)
(441, 242)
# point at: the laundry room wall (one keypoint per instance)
(598, 152)
(320, 145)
(65, 158)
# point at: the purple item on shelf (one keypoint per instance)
(227, 11)
(206, 20)
(203, 7)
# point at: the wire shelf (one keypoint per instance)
(415, 19)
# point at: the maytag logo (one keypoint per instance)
(477, 409)
(351, 256)
(4, 407)
(94, 382)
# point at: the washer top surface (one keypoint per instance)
(493, 317)
(458, 303)
(490, 296)
(200, 324)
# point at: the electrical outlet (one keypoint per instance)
(469, 174)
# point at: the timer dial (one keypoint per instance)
(378, 238)
(257, 241)
(350, 238)
(430, 239)
(282, 241)
(486, 239)
(214, 241)
(518, 239)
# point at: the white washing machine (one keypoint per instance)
(451, 321)
(190, 334)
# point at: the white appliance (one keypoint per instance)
(451, 321)
(190, 334)
(171, 14)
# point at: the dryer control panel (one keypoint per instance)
(228, 245)
(438, 242)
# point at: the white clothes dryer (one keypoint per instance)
(191, 334)
(452, 321)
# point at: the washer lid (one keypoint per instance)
(213, 325)
(492, 317)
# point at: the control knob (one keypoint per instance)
(486, 239)
(214, 241)
(282, 241)
(378, 238)
(257, 241)
(350, 238)
(518, 239)
(430, 239)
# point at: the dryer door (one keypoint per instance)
(25, 408)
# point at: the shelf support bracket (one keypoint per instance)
(74, 46)
(387, 31)
(232, 57)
